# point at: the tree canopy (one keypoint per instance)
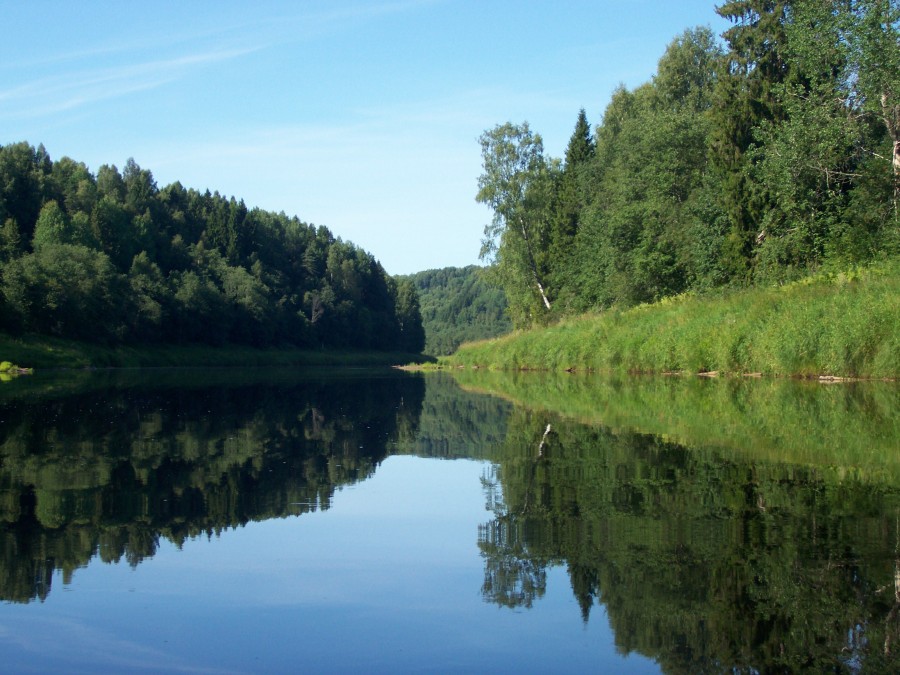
(756, 158)
(113, 258)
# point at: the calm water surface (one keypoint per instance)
(377, 521)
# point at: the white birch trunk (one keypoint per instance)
(534, 272)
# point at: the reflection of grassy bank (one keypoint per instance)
(852, 426)
(846, 325)
(44, 352)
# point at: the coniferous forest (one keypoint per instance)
(756, 159)
(112, 258)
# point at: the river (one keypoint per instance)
(379, 521)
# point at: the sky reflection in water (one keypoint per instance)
(387, 579)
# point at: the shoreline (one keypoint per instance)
(824, 379)
(45, 353)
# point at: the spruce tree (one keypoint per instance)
(746, 97)
(570, 200)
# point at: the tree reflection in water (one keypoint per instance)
(716, 539)
(108, 470)
(704, 560)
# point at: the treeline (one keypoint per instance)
(457, 306)
(756, 159)
(112, 258)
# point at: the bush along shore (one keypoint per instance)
(9, 370)
(833, 325)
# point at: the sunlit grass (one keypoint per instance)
(845, 325)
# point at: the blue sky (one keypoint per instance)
(362, 116)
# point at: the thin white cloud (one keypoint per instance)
(256, 26)
(70, 88)
(59, 93)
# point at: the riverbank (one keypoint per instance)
(43, 352)
(831, 325)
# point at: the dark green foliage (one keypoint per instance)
(115, 259)
(68, 291)
(768, 156)
(458, 306)
(24, 173)
(570, 201)
(744, 98)
(409, 314)
(824, 160)
(52, 227)
(638, 239)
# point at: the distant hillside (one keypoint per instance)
(458, 306)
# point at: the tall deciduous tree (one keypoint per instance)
(841, 113)
(52, 227)
(517, 184)
(874, 36)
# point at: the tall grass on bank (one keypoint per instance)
(845, 324)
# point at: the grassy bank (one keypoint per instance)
(845, 324)
(44, 352)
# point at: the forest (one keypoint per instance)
(114, 259)
(457, 306)
(757, 159)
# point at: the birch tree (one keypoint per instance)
(517, 184)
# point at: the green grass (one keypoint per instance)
(839, 324)
(44, 352)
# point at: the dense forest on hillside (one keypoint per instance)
(755, 159)
(458, 306)
(112, 258)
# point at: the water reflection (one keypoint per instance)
(723, 526)
(705, 560)
(105, 466)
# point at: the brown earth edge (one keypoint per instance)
(825, 379)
